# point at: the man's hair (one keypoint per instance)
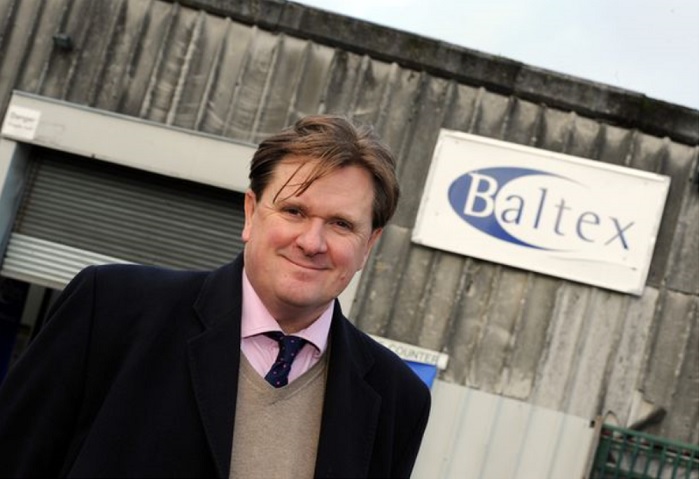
(334, 143)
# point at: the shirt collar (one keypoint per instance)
(256, 319)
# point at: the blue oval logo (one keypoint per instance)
(474, 197)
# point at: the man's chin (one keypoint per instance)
(306, 300)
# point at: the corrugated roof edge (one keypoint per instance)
(614, 105)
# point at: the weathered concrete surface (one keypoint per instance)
(498, 74)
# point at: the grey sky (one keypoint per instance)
(647, 46)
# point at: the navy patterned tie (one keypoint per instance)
(289, 346)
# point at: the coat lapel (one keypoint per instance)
(214, 357)
(351, 406)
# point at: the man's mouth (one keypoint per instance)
(305, 264)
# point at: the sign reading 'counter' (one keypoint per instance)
(555, 214)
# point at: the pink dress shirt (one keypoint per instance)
(261, 351)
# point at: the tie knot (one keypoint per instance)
(289, 346)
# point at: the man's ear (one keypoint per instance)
(375, 235)
(250, 206)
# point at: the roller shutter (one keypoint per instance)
(85, 211)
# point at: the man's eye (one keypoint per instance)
(292, 211)
(345, 225)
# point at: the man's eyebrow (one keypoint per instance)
(295, 203)
(344, 218)
(290, 201)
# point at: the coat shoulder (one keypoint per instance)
(130, 275)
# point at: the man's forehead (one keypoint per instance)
(293, 172)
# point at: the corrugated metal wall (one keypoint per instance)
(552, 343)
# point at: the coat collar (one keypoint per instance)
(214, 357)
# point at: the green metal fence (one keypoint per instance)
(626, 454)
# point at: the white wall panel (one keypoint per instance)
(477, 435)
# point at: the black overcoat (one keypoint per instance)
(135, 374)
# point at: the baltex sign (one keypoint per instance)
(533, 209)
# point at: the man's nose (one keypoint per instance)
(312, 239)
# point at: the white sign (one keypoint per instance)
(21, 123)
(408, 352)
(555, 214)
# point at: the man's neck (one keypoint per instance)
(292, 319)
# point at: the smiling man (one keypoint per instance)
(247, 371)
(303, 249)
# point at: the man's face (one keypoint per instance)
(302, 251)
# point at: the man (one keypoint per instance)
(247, 371)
